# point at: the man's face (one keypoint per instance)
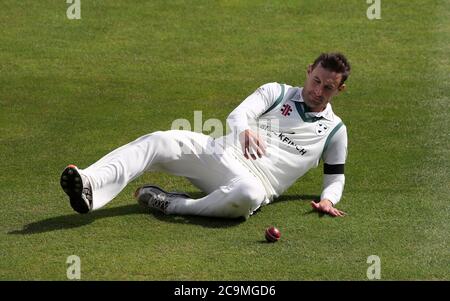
(320, 87)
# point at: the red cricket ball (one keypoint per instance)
(272, 234)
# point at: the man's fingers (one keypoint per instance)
(253, 146)
(342, 213)
(256, 149)
(245, 146)
(338, 212)
(256, 145)
(329, 210)
(334, 212)
(244, 150)
(314, 205)
(249, 154)
(260, 151)
(261, 144)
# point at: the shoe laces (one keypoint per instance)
(159, 201)
(87, 189)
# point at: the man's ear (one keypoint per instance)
(342, 88)
(309, 70)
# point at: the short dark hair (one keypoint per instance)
(336, 62)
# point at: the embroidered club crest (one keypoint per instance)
(321, 128)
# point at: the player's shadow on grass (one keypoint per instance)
(207, 222)
(78, 220)
(297, 197)
(75, 220)
(304, 198)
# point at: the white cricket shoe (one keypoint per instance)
(78, 188)
(156, 198)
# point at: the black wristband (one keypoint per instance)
(333, 169)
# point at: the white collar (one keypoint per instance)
(327, 113)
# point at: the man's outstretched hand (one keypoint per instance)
(326, 206)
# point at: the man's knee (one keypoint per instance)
(251, 195)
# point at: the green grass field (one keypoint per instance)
(73, 90)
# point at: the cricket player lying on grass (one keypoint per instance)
(279, 133)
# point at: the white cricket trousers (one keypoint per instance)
(232, 191)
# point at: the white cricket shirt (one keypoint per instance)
(295, 139)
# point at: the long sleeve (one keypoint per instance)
(253, 106)
(334, 161)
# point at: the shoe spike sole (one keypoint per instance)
(72, 185)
